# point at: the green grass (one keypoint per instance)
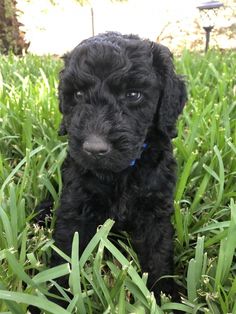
(205, 218)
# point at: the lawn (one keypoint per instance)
(31, 154)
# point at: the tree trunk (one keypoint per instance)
(11, 37)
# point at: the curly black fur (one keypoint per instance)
(116, 94)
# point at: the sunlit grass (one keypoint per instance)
(31, 154)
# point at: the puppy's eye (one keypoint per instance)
(79, 95)
(133, 96)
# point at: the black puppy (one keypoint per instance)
(120, 98)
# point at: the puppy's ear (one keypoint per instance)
(66, 58)
(62, 128)
(173, 90)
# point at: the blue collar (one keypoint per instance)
(133, 162)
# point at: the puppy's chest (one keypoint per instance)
(120, 206)
(117, 203)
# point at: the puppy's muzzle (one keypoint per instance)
(96, 146)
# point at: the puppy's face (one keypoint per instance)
(109, 94)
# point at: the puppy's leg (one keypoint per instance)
(153, 242)
(66, 226)
(64, 232)
(43, 211)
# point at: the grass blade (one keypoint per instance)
(75, 274)
(32, 300)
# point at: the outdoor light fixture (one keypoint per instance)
(208, 12)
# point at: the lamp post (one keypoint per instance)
(208, 13)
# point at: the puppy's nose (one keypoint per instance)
(95, 145)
